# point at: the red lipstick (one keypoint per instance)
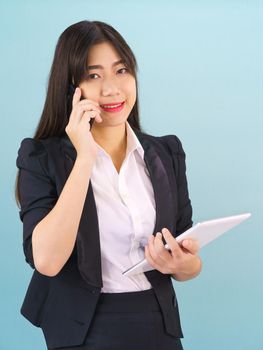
(113, 107)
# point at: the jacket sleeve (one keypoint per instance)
(37, 191)
(184, 212)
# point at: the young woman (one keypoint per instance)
(97, 194)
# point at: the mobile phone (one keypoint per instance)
(71, 91)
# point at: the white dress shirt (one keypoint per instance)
(126, 213)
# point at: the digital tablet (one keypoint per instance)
(204, 232)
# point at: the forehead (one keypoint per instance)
(104, 52)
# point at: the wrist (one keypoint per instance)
(193, 272)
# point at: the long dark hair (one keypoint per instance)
(70, 65)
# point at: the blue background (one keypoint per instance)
(200, 77)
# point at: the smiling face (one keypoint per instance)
(109, 83)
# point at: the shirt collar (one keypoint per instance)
(133, 143)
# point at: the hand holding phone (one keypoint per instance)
(71, 91)
(78, 128)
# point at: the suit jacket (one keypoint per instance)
(63, 305)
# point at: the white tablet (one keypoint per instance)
(204, 232)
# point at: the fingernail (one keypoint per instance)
(159, 234)
(164, 230)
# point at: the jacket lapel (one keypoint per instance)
(154, 160)
(88, 244)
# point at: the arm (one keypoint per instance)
(54, 237)
(50, 223)
(55, 228)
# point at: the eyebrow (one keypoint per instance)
(98, 66)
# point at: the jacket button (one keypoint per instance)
(93, 291)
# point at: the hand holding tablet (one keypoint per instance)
(204, 232)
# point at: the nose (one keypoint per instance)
(110, 88)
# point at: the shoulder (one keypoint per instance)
(29, 151)
(173, 143)
(33, 153)
(169, 143)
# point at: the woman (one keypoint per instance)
(97, 194)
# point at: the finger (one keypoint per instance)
(92, 114)
(90, 101)
(87, 115)
(156, 257)
(172, 243)
(79, 111)
(96, 115)
(93, 105)
(191, 245)
(159, 247)
(161, 260)
(85, 120)
(154, 263)
(151, 247)
(76, 96)
(149, 258)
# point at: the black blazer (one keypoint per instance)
(63, 305)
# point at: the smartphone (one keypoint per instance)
(71, 91)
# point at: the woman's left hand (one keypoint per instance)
(182, 262)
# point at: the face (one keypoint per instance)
(110, 84)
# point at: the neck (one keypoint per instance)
(112, 139)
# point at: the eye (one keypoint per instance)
(92, 76)
(123, 70)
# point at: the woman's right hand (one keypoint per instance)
(78, 127)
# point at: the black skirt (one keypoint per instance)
(128, 321)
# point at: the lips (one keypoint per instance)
(112, 107)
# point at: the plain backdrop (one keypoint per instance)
(200, 77)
